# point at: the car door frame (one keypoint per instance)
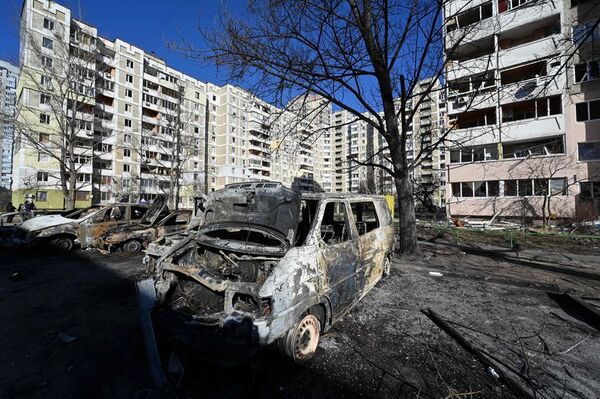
(87, 235)
(338, 261)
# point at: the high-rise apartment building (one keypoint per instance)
(350, 138)
(8, 85)
(521, 102)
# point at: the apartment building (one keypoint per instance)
(8, 85)
(349, 137)
(142, 127)
(145, 128)
(515, 107)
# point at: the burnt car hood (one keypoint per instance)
(243, 238)
(255, 204)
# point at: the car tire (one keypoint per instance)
(300, 342)
(62, 244)
(387, 266)
(132, 246)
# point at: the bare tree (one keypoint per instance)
(164, 147)
(361, 56)
(58, 120)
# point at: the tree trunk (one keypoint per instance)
(407, 240)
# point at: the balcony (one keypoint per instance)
(461, 69)
(532, 88)
(474, 135)
(149, 119)
(532, 128)
(105, 107)
(529, 52)
(472, 100)
(529, 12)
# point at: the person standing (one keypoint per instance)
(28, 208)
(10, 208)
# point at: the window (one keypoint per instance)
(510, 188)
(128, 93)
(137, 212)
(466, 189)
(586, 31)
(587, 111)
(42, 176)
(534, 148)
(44, 138)
(126, 152)
(525, 188)
(127, 107)
(480, 189)
(46, 61)
(129, 64)
(127, 122)
(126, 168)
(558, 186)
(48, 24)
(47, 43)
(589, 190)
(493, 188)
(127, 138)
(469, 17)
(41, 196)
(46, 80)
(365, 216)
(44, 118)
(43, 157)
(44, 99)
(531, 109)
(129, 78)
(587, 71)
(334, 225)
(589, 151)
(82, 196)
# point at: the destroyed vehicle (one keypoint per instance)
(82, 226)
(132, 238)
(268, 266)
(161, 245)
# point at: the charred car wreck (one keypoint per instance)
(268, 266)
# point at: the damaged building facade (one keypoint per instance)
(523, 105)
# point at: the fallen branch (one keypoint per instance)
(574, 346)
(512, 385)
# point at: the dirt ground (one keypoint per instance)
(70, 330)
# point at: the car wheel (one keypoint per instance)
(300, 343)
(62, 244)
(132, 247)
(387, 266)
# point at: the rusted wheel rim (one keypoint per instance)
(306, 338)
(63, 244)
(133, 246)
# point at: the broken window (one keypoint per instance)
(308, 211)
(480, 189)
(365, 216)
(334, 225)
(532, 148)
(137, 212)
(587, 71)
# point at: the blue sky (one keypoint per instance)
(148, 24)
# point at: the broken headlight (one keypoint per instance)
(246, 303)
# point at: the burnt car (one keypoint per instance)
(132, 238)
(82, 226)
(268, 266)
